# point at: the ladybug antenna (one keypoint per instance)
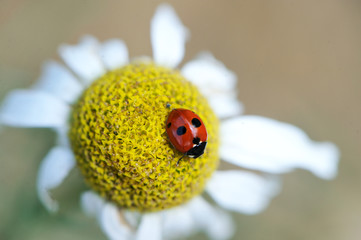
(181, 158)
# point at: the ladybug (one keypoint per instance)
(186, 132)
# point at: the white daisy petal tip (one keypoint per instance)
(83, 58)
(168, 36)
(88, 40)
(114, 53)
(53, 170)
(58, 81)
(241, 191)
(32, 108)
(271, 146)
(327, 155)
(216, 83)
(210, 75)
(225, 106)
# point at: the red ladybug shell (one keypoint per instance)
(186, 132)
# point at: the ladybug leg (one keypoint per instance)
(181, 158)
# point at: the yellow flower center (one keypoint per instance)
(118, 135)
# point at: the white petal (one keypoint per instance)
(168, 36)
(209, 75)
(92, 204)
(110, 219)
(215, 222)
(132, 217)
(114, 53)
(178, 222)
(58, 81)
(31, 108)
(242, 191)
(62, 135)
(150, 227)
(215, 82)
(53, 170)
(83, 59)
(271, 146)
(142, 59)
(113, 225)
(225, 105)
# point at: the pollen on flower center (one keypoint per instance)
(118, 135)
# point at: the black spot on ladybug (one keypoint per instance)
(196, 122)
(181, 130)
(169, 124)
(196, 140)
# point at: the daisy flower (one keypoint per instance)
(109, 114)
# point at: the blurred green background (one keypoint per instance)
(297, 61)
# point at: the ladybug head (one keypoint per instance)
(197, 150)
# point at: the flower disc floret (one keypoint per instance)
(119, 138)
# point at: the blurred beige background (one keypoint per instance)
(297, 61)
